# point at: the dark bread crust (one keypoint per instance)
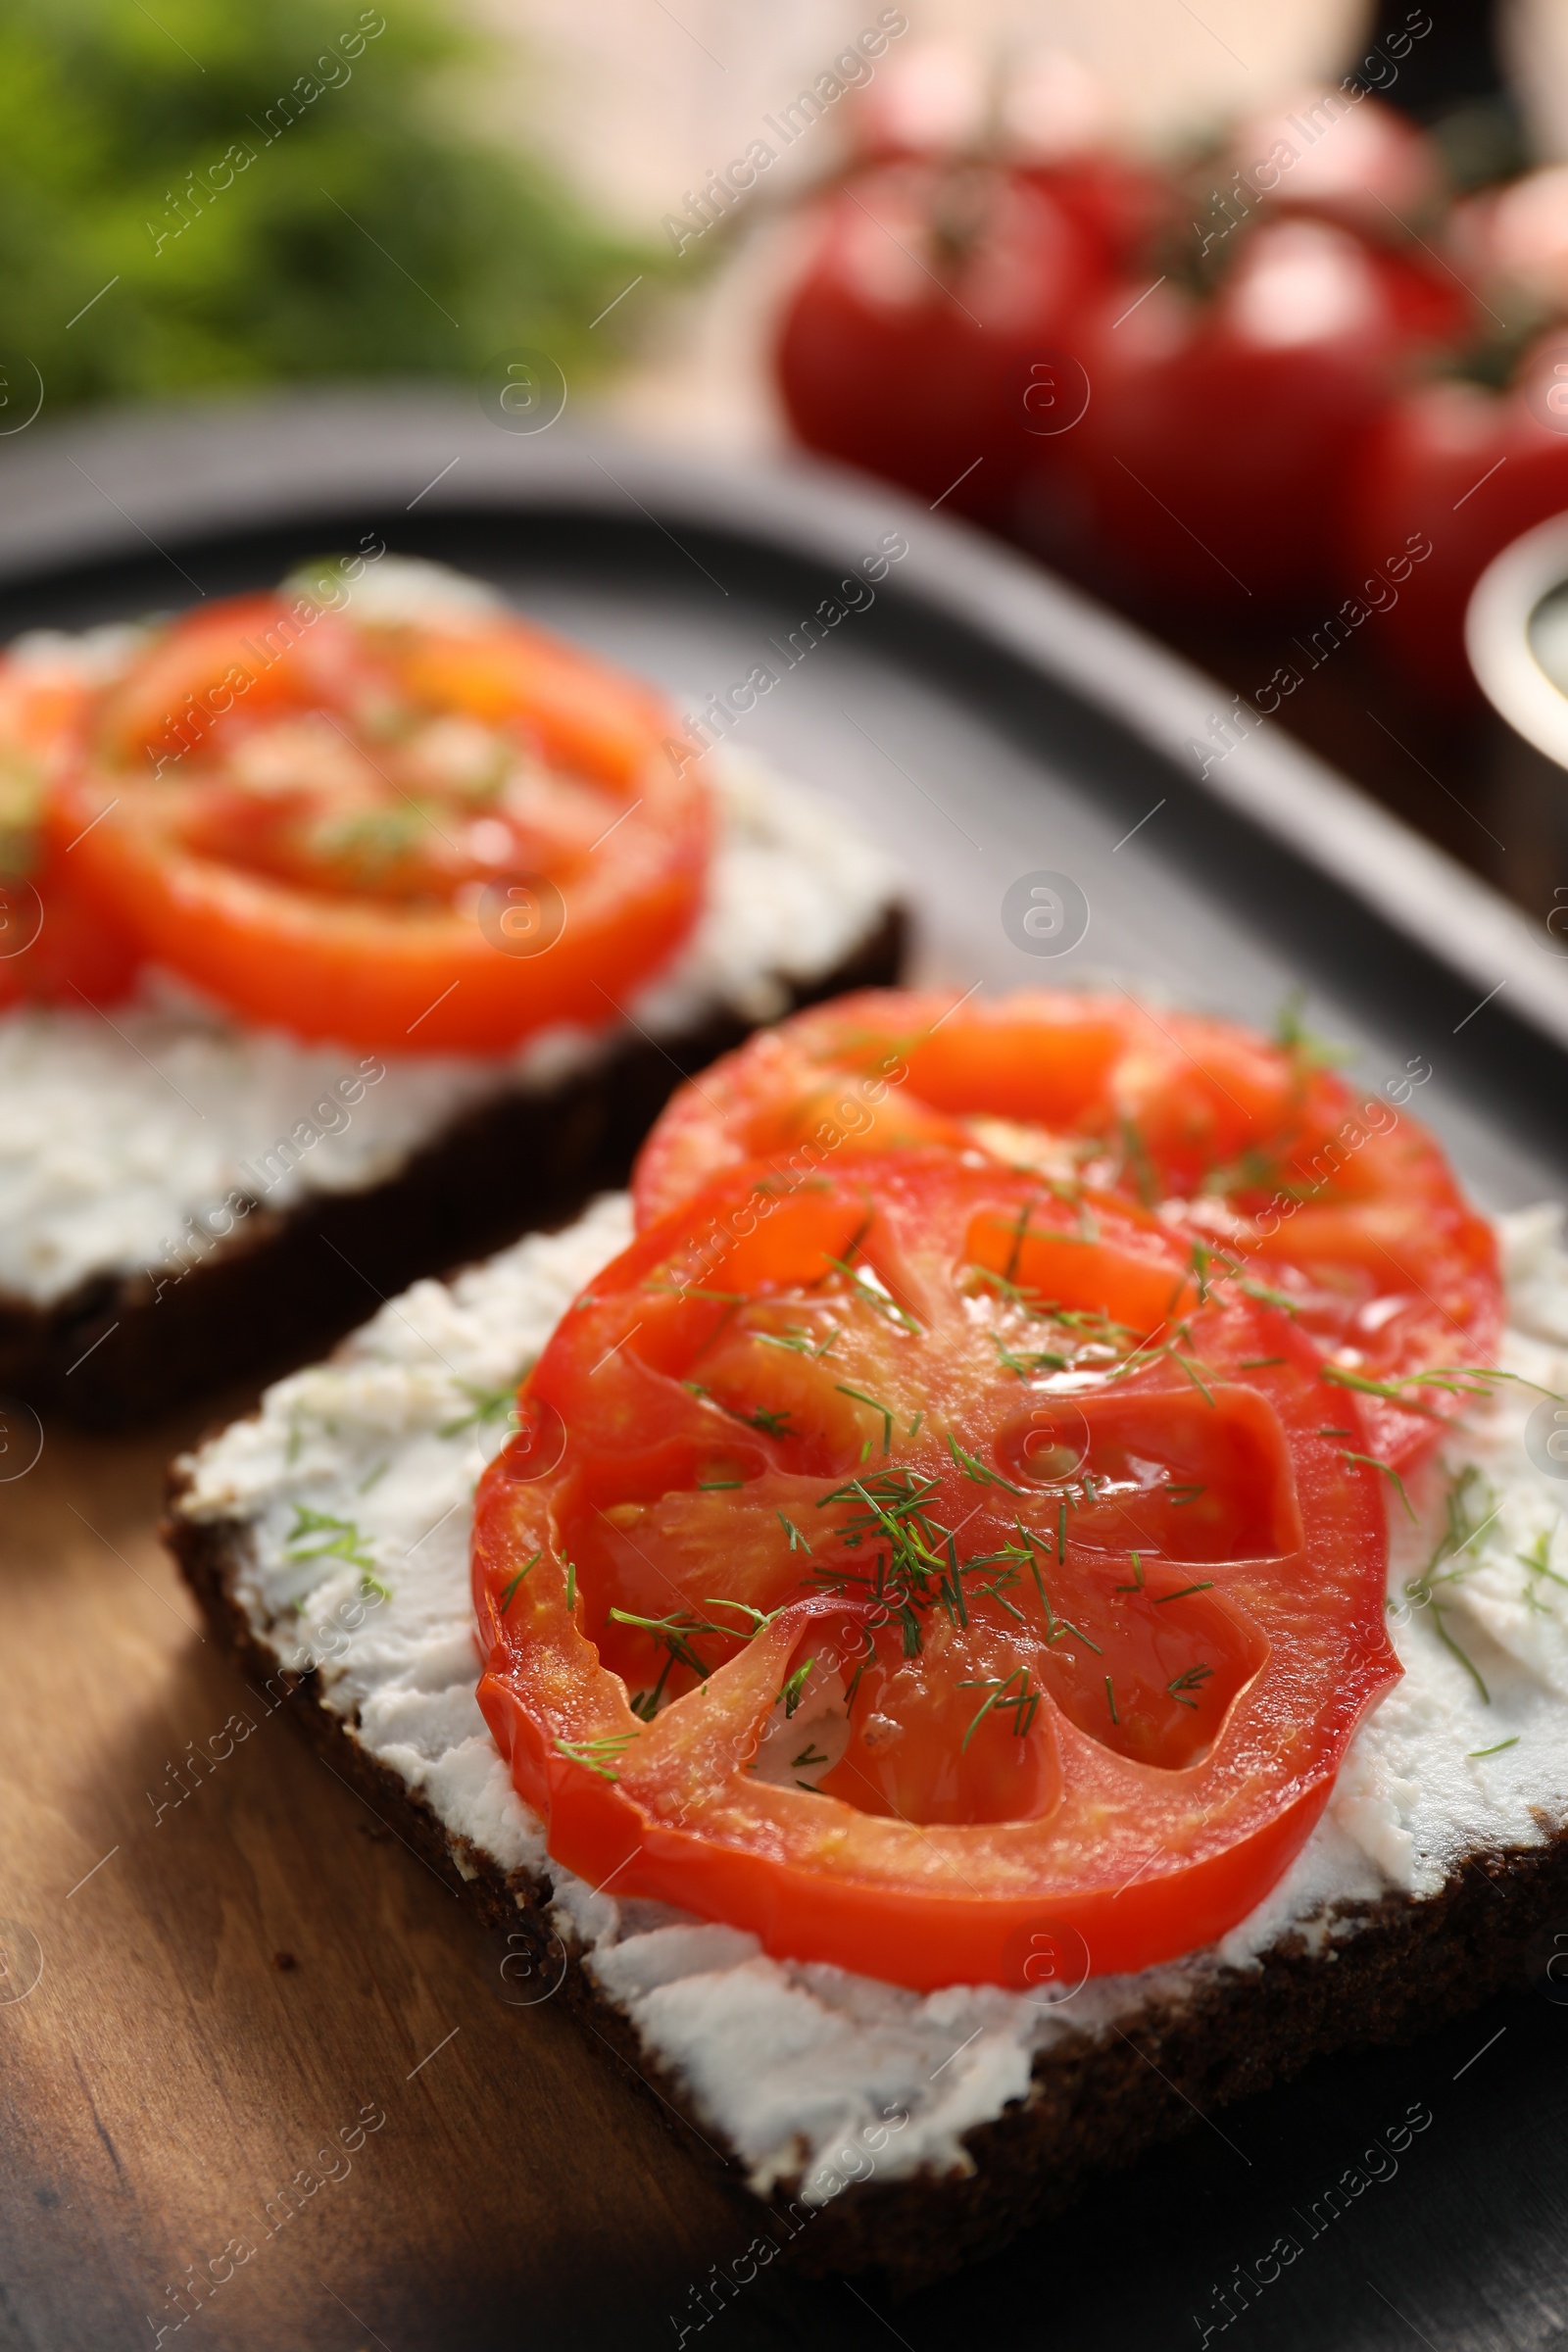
(287, 1283)
(1410, 1966)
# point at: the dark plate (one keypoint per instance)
(993, 725)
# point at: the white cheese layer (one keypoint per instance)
(801, 2067)
(124, 1133)
(122, 1129)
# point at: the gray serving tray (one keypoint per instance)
(992, 724)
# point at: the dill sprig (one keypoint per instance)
(340, 1540)
(873, 1296)
(877, 1406)
(486, 1404)
(1390, 1473)
(1021, 1703)
(794, 1687)
(600, 1755)
(1056, 1627)
(975, 1470)
(765, 1422)
(759, 1618)
(1306, 1047)
(506, 1599)
(1181, 1687)
(1136, 1159)
(674, 1632)
(1459, 1533)
(1536, 1562)
(798, 1340)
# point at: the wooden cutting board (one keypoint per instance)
(261, 2082)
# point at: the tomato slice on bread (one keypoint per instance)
(1343, 1206)
(55, 945)
(905, 1563)
(429, 837)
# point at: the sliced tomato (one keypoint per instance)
(430, 838)
(1340, 1204)
(904, 1564)
(55, 945)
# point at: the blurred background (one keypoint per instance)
(1251, 316)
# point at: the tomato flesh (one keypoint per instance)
(844, 1586)
(1343, 1207)
(429, 838)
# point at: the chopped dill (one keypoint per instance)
(1110, 1701)
(1389, 1472)
(340, 1540)
(1460, 1535)
(1010, 1270)
(861, 1397)
(1135, 1158)
(598, 1755)
(798, 1541)
(1181, 1687)
(1497, 1750)
(974, 1469)
(1306, 1047)
(1202, 1259)
(1535, 1560)
(794, 1687)
(1021, 1703)
(767, 1424)
(1185, 1594)
(1137, 1584)
(758, 1617)
(798, 1340)
(872, 1296)
(506, 1599)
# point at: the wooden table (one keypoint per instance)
(209, 1998)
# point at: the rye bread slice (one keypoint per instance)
(122, 1349)
(1143, 2064)
(1410, 1966)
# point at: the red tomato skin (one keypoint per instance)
(1452, 476)
(920, 1942)
(1389, 1225)
(1217, 437)
(906, 350)
(80, 953)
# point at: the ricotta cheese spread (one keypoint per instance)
(124, 1129)
(353, 1487)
